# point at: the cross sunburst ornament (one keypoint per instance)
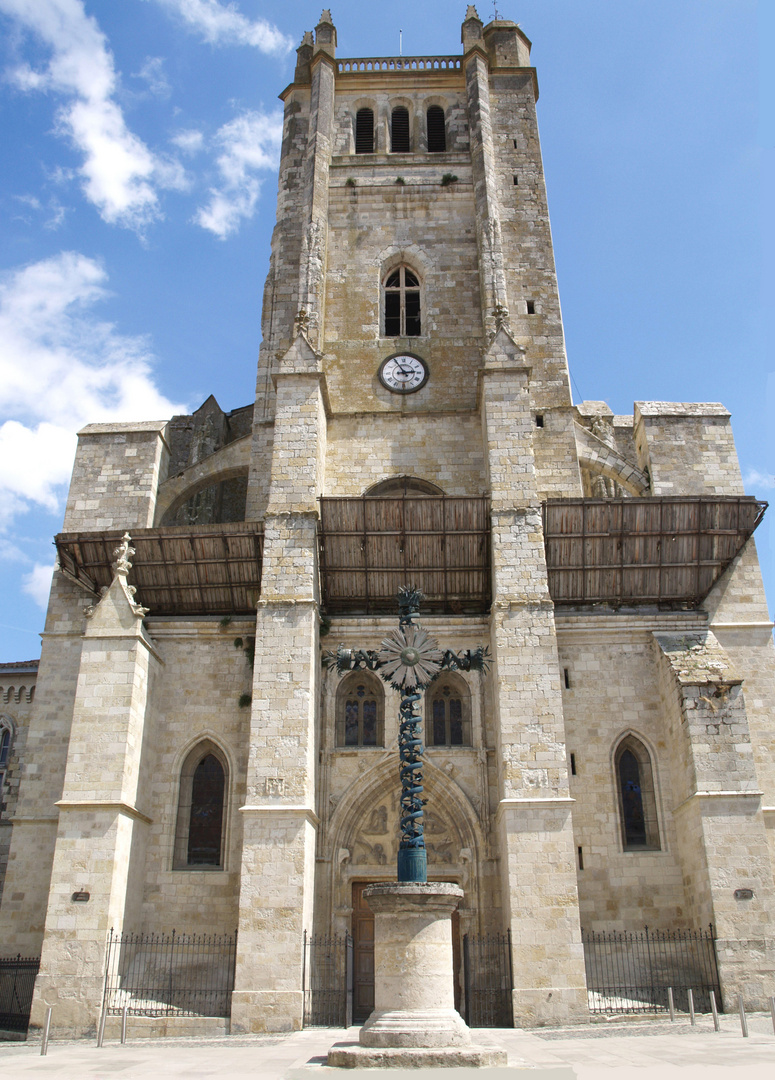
(409, 660)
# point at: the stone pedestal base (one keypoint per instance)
(427, 1028)
(353, 1056)
(414, 1023)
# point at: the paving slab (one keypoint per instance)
(652, 1050)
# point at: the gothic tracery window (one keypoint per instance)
(359, 712)
(448, 720)
(402, 303)
(637, 802)
(201, 810)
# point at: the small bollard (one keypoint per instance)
(772, 1011)
(671, 1003)
(714, 1010)
(691, 1004)
(101, 1032)
(123, 1025)
(46, 1029)
(743, 1021)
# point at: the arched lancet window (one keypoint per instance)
(360, 711)
(402, 303)
(5, 752)
(364, 131)
(448, 712)
(437, 135)
(400, 142)
(199, 835)
(637, 801)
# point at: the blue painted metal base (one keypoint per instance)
(412, 864)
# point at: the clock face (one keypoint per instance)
(403, 374)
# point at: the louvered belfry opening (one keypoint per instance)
(364, 131)
(399, 131)
(437, 135)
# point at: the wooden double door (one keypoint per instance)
(363, 955)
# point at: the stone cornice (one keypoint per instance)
(283, 808)
(531, 803)
(718, 795)
(105, 804)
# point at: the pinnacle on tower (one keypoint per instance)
(325, 33)
(471, 32)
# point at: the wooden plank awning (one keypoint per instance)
(630, 552)
(627, 552)
(177, 570)
(369, 547)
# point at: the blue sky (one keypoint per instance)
(137, 199)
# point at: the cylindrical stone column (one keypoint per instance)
(414, 1004)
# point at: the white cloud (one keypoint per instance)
(754, 481)
(54, 209)
(190, 142)
(57, 215)
(118, 170)
(37, 583)
(60, 368)
(250, 143)
(152, 72)
(221, 24)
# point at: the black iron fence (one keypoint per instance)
(328, 980)
(170, 974)
(17, 981)
(630, 971)
(488, 980)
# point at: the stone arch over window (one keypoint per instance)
(400, 131)
(364, 131)
(6, 742)
(215, 500)
(402, 485)
(401, 302)
(360, 711)
(636, 795)
(448, 712)
(202, 804)
(436, 129)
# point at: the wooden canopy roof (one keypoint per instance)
(177, 570)
(663, 551)
(369, 547)
(613, 552)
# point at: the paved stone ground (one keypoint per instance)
(649, 1050)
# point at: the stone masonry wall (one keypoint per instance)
(614, 691)
(364, 449)
(117, 471)
(197, 698)
(41, 778)
(687, 449)
(17, 691)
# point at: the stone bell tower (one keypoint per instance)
(411, 327)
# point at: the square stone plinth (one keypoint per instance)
(354, 1056)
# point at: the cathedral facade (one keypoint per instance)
(189, 760)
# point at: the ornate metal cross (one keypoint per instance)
(409, 661)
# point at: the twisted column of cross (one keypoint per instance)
(409, 660)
